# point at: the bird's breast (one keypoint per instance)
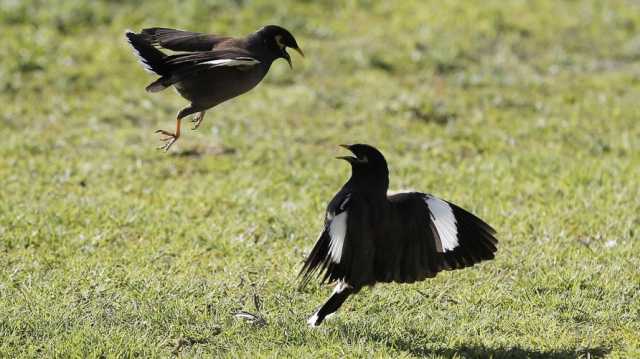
(215, 86)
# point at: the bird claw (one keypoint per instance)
(168, 141)
(197, 120)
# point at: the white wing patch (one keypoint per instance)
(445, 222)
(330, 215)
(239, 61)
(337, 232)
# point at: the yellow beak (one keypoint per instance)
(299, 50)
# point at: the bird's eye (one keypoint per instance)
(279, 41)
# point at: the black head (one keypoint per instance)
(277, 40)
(368, 167)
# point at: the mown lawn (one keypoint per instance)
(525, 112)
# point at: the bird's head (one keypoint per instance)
(278, 39)
(367, 164)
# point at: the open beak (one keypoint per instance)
(349, 159)
(288, 58)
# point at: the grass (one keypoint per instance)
(524, 112)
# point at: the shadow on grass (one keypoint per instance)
(200, 151)
(514, 352)
(479, 351)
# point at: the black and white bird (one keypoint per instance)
(371, 237)
(208, 69)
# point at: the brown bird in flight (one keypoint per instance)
(208, 69)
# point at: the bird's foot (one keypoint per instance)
(312, 322)
(197, 120)
(169, 140)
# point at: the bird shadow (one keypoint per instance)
(480, 351)
(200, 151)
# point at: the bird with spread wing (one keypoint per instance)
(371, 237)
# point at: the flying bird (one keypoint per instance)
(208, 69)
(371, 237)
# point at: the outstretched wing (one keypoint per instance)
(178, 40)
(327, 252)
(427, 235)
(345, 236)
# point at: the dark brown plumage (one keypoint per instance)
(209, 69)
(371, 237)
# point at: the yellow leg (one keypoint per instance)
(170, 138)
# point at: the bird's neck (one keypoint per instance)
(372, 186)
(256, 44)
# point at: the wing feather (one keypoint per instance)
(430, 235)
(179, 40)
(332, 253)
(186, 65)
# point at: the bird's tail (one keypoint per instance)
(152, 59)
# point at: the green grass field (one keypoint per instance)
(524, 112)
